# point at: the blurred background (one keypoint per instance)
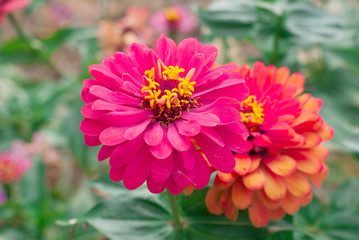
(47, 46)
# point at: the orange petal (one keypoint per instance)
(212, 200)
(306, 121)
(274, 186)
(304, 98)
(312, 104)
(256, 160)
(276, 214)
(221, 184)
(325, 132)
(258, 213)
(319, 152)
(230, 210)
(311, 140)
(225, 177)
(307, 163)
(271, 73)
(241, 196)
(320, 176)
(254, 180)
(268, 202)
(282, 75)
(291, 204)
(298, 185)
(188, 190)
(243, 163)
(305, 200)
(298, 80)
(282, 165)
(245, 70)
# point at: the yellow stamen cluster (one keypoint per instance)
(172, 14)
(256, 114)
(185, 88)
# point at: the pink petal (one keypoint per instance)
(179, 142)
(91, 141)
(182, 176)
(142, 57)
(113, 135)
(105, 152)
(162, 169)
(188, 128)
(166, 50)
(162, 150)
(105, 76)
(87, 112)
(208, 119)
(133, 132)
(116, 173)
(173, 188)
(138, 169)
(154, 136)
(185, 50)
(233, 135)
(155, 187)
(128, 118)
(92, 127)
(212, 133)
(188, 159)
(106, 106)
(220, 158)
(260, 140)
(203, 174)
(126, 151)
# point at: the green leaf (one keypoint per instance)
(33, 184)
(311, 25)
(137, 213)
(229, 18)
(18, 51)
(347, 196)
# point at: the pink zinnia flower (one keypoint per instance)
(176, 18)
(283, 152)
(151, 109)
(14, 163)
(8, 6)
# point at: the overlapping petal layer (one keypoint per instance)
(283, 153)
(151, 109)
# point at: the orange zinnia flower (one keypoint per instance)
(283, 152)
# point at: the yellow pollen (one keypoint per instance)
(172, 14)
(255, 114)
(169, 98)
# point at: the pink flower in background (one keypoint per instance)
(172, 19)
(8, 6)
(119, 35)
(14, 162)
(152, 109)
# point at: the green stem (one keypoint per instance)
(175, 214)
(226, 46)
(35, 45)
(276, 41)
(18, 28)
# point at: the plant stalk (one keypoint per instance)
(175, 214)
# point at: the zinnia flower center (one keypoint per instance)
(172, 14)
(252, 112)
(166, 93)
